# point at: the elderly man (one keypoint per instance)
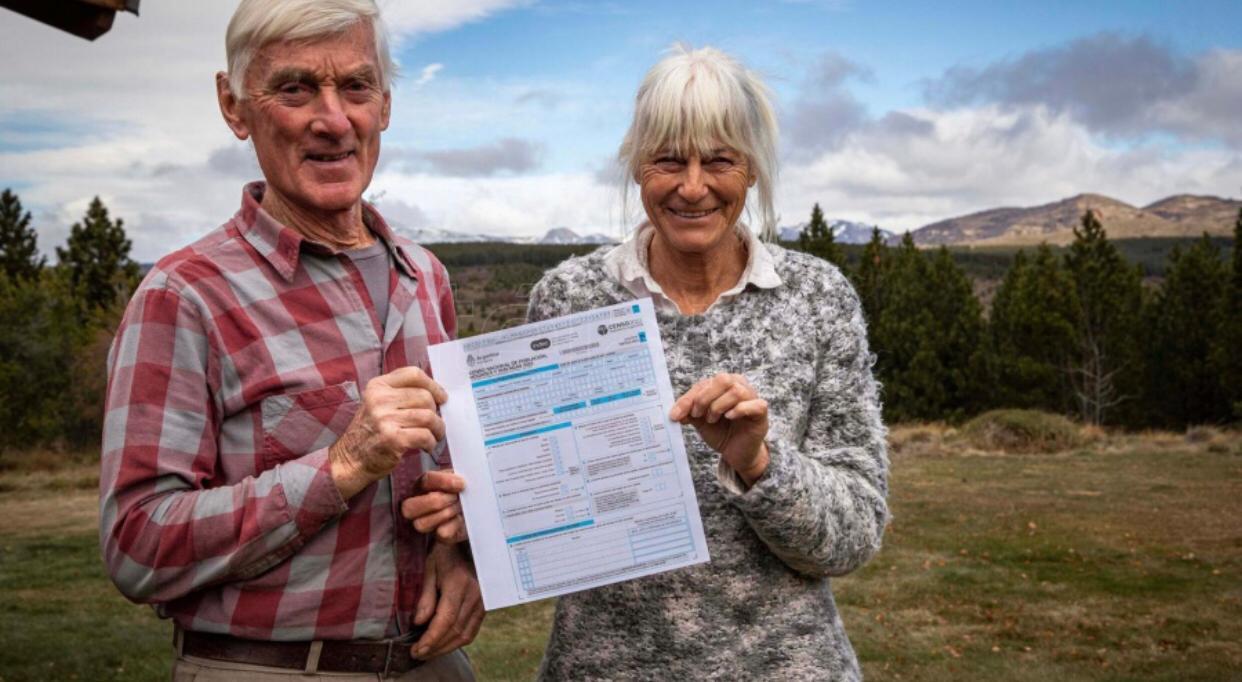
(269, 418)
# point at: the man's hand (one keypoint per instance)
(731, 418)
(457, 613)
(397, 415)
(434, 506)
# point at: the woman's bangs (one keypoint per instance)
(694, 129)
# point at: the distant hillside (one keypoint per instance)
(1193, 209)
(1179, 216)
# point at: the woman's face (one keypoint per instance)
(694, 202)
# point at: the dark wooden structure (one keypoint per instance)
(85, 18)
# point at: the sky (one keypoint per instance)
(507, 114)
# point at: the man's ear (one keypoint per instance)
(231, 107)
(386, 112)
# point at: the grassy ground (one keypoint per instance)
(1119, 561)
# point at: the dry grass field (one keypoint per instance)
(1118, 558)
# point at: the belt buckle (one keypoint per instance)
(388, 658)
(404, 640)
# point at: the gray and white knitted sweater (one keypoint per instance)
(762, 608)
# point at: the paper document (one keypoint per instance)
(575, 476)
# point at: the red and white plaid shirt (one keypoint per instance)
(240, 360)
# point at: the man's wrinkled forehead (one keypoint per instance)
(317, 58)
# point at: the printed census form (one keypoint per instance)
(575, 476)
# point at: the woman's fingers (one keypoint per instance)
(711, 398)
(719, 407)
(712, 389)
(754, 408)
(681, 407)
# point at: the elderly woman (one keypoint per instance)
(767, 349)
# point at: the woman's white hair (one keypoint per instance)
(259, 22)
(694, 101)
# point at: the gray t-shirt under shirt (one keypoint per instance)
(373, 264)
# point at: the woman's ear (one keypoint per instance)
(231, 107)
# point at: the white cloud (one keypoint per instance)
(507, 155)
(973, 159)
(405, 17)
(506, 206)
(427, 74)
(1212, 106)
(1114, 84)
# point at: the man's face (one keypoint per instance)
(314, 110)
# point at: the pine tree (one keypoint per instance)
(894, 335)
(1227, 350)
(959, 325)
(1180, 326)
(927, 336)
(869, 276)
(817, 240)
(19, 251)
(1105, 367)
(40, 332)
(1030, 335)
(96, 257)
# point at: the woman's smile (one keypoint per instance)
(685, 214)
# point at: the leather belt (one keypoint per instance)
(385, 657)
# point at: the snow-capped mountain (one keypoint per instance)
(564, 235)
(849, 232)
(843, 232)
(556, 235)
(431, 235)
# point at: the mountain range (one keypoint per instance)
(556, 235)
(843, 232)
(1181, 215)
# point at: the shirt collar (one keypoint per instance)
(282, 246)
(627, 263)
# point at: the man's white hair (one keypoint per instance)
(694, 101)
(259, 22)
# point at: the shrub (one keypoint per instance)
(1021, 431)
(1202, 434)
(916, 438)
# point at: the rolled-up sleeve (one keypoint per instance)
(821, 504)
(164, 532)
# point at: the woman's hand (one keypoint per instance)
(731, 418)
(435, 508)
